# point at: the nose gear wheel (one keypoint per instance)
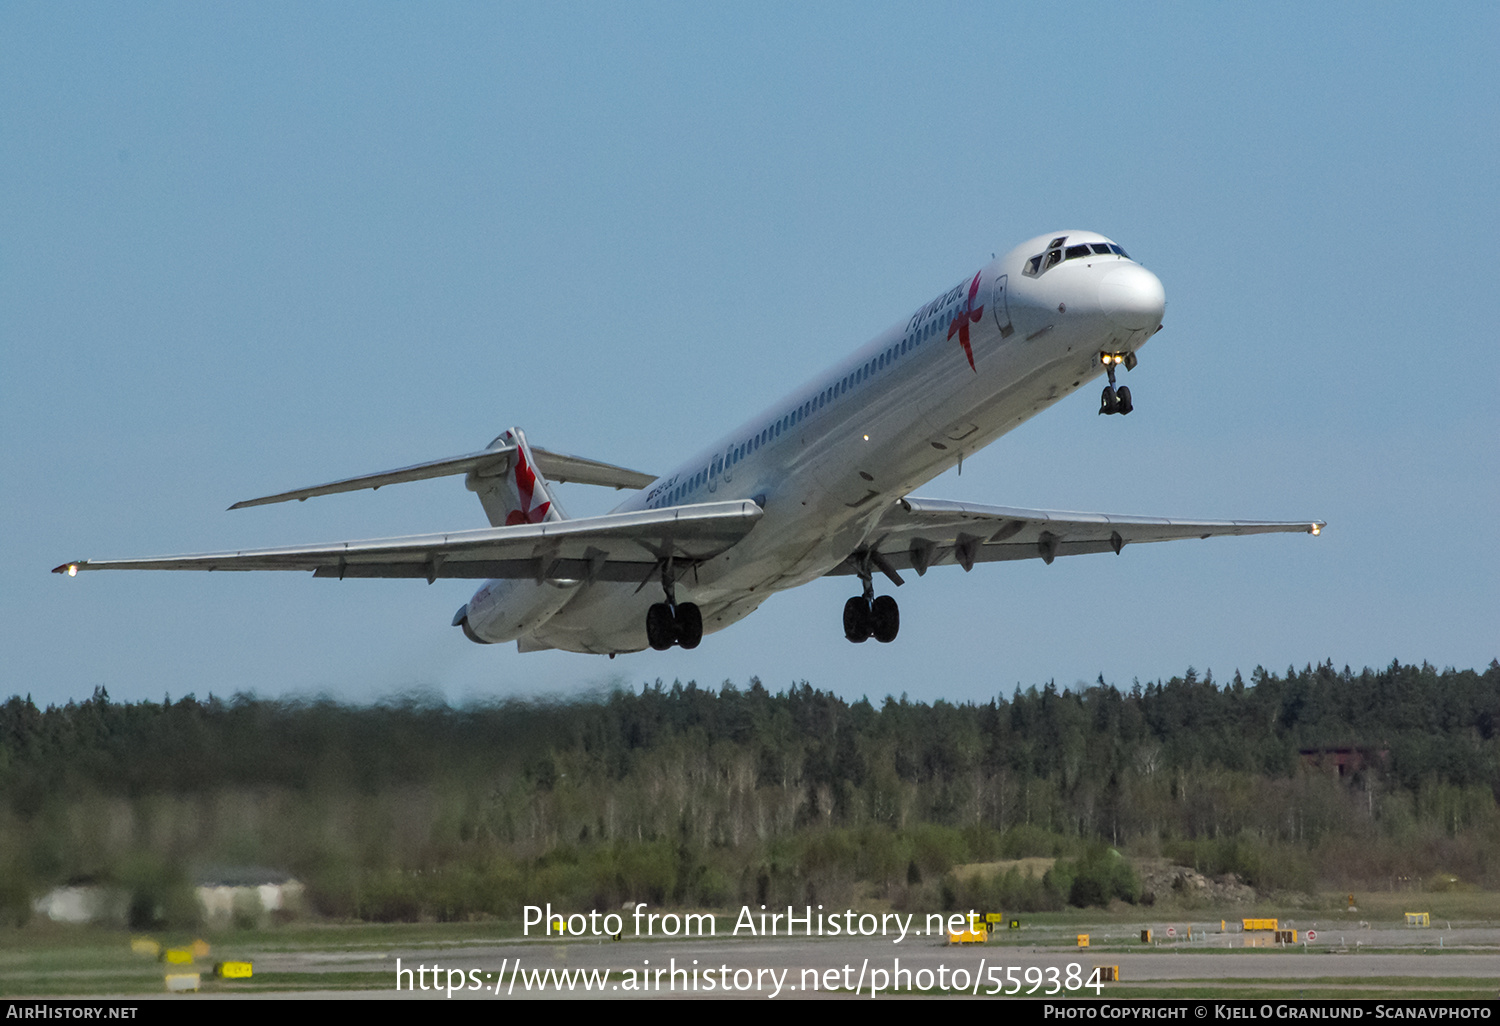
(1116, 400)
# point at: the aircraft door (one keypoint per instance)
(1000, 306)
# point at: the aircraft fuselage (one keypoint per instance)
(997, 348)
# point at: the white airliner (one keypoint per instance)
(819, 484)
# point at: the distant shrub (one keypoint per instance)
(160, 894)
(1100, 876)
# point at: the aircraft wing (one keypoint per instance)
(613, 547)
(915, 534)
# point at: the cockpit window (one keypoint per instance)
(1055, 255)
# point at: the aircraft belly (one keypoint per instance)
(609, 617)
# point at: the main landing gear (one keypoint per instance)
(672, 623)
(668, 624)
(1116, 400)
(866, 616)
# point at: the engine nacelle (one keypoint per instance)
(506, 610)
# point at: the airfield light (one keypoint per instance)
(72, 569)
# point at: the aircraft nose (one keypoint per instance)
(1132, 297)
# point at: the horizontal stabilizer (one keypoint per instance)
(492, 461)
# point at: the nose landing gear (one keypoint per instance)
(1116, 400)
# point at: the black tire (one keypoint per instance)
(1122, 394)
(1109, 402)
(661, 627)
(885, 619)
(689, 625)
(857, 625)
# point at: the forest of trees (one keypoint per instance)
(719, 796)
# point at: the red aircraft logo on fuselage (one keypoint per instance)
(967, 313)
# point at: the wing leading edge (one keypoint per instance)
(613, 547)
(915, 534)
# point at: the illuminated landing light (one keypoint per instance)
(72, 569)
(867, 438)
(1315, 529)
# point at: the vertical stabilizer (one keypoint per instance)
(515, 492)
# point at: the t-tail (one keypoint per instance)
(513, 491)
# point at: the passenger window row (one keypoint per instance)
(922, 333)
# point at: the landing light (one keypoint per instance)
(72, 569)
(867, 438)
(1315, 529)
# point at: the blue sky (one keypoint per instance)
(245, 248)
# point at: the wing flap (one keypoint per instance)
(916, 534)
(616, 546)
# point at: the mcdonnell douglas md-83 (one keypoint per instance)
(819, 484)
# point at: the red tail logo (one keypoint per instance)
(960, 325)
(526, 486)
